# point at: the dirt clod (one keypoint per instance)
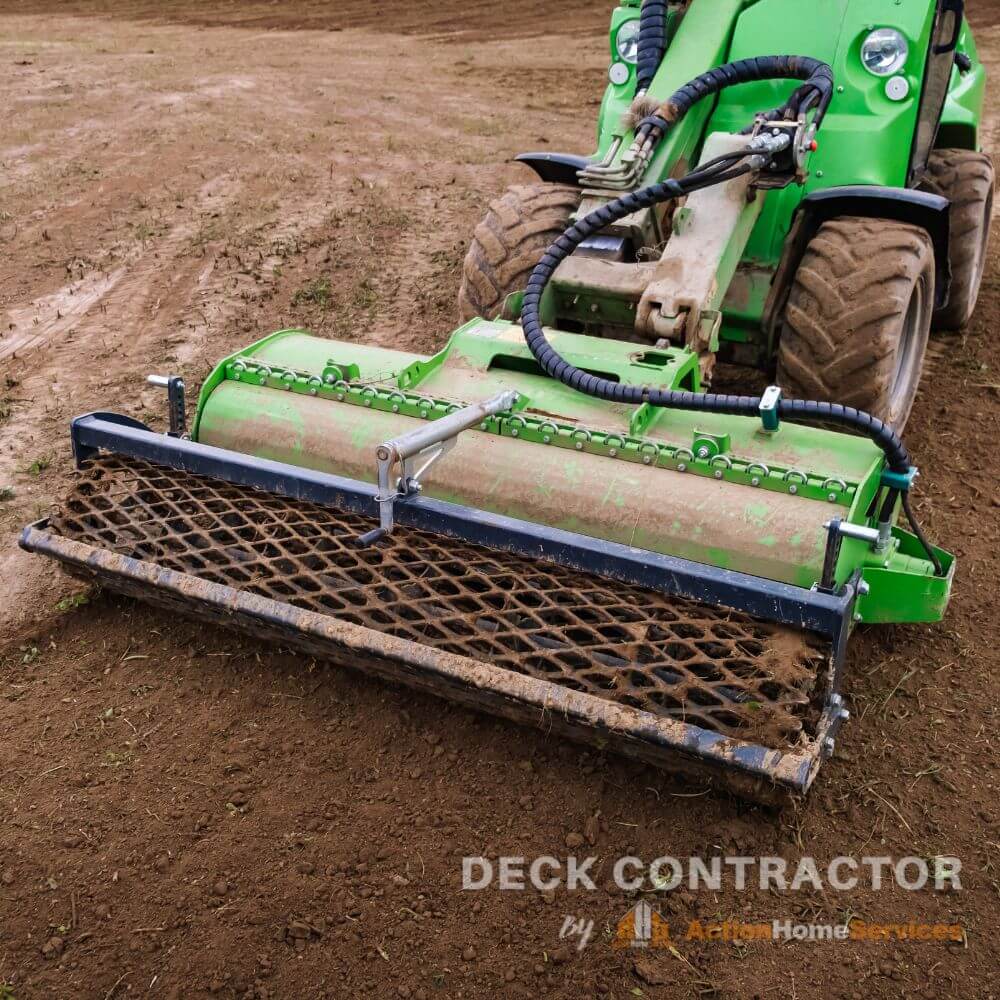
(53, 948)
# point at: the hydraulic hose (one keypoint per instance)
(815, 93)
(813, 96)
(592, 385)
(921, 537)
(652, 42)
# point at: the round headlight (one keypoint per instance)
(627, 42)
(884, 52)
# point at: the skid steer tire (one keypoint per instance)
(519, 227)
(858, 317)
(966, 179)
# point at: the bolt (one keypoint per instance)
(579, 446)
(863, 587)
(646, 460)
(423, 414)
(547, 438)
(329, 379)
(613, 452)
(832, 497)
(828, 746)
(395, 407)
(314, 392)
(682, 467)
(703, 451)
(836, 700)
(844, 715)
(857, 616)
(514, 432)
(718, 473)
(755, 481)
(793, 489)
(368, 402)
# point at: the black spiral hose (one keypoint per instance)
(652, 42)
(592, 385)
(814, 94)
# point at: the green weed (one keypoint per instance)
(315, 293)
(39, 465)
(73, 601)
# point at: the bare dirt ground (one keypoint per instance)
(188, 814)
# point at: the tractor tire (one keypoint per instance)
(519, 227)
(966, 179)
(858, 317)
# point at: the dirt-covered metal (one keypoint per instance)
(718, 669)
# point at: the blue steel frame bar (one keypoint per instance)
(831, 615)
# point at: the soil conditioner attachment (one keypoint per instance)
(553, 519)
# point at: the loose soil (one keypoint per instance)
(190, 814)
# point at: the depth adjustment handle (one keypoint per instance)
(417, 451)
(176, 407)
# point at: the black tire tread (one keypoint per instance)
(847, 306)
(966, 178)
(518, 228)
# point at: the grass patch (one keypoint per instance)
(315, 293)
(39, 465)
(366, 294)
(72, 602)
(147, 229)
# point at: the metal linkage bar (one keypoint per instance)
(176, 405)
(417, 451)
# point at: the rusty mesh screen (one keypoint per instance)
(718, 669)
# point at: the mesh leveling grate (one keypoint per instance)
(712, 667)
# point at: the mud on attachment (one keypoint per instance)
(568, 642)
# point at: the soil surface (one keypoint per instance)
(189, 814)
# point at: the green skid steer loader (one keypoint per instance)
(554, 519)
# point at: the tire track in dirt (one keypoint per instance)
(171, 265)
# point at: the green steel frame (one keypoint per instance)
(861, 117)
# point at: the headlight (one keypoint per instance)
(627, 42)
(884, 52)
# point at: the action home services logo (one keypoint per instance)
(644, 927)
